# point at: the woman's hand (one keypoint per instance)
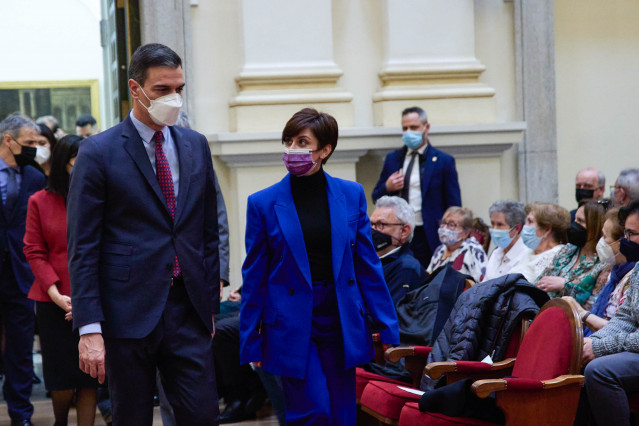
(64, 302)
(554, 284)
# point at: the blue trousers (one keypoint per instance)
(18, 317)
(326, 394)
(608, 381)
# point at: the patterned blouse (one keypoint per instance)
(470, 259)
(580, 280)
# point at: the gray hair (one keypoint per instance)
(514, 211)
(420, 112)
(48, 120)
(629, 180)
(13, 124)
(404, 212)
(601, 178)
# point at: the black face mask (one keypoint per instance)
(584, 194)
(26, 157)
(577, 235)
(381, 240)
(629, 249)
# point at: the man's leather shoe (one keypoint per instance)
(234, 413)
(25, 422)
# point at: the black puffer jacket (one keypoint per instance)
(483, 319)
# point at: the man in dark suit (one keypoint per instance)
(425, 177)
(18, 181)
(143, 252)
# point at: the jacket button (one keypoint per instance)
(291, 291)
(169, 267)
(351, 282)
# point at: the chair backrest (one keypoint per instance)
(553, 344)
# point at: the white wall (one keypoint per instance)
(51, 40)
(597, 64)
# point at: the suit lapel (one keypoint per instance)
(291, 228)
(339, 226)
(426, 168)
(22, 194)
(185, 158)
(135, 148)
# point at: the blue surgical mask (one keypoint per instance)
(501, 237)
(412, 139)
(529, 236)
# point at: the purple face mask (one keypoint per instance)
(298, 161)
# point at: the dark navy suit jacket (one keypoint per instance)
(121, 238)
(440, 187)
(12, 227)
(277, 294)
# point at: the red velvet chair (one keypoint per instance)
(383, 400)
(545, 387)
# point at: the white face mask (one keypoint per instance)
(164, 111)
(605, 252)
(43, 153)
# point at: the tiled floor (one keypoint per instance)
(43, 415)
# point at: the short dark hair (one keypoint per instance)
(419, 111)
(322, 125)
(85, 119)
(624, 212)
(151, 55)
(66, 149)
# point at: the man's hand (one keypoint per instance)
(221, 289)
(213, 321)
(395, 182)
(551, 283)
(588, 353)
(235, 296)
(91, 349)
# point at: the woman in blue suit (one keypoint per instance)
(313, 287)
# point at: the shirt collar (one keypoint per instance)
(393, 251)
(517, 250)
(4, 166)
(419, 150)
(146, 133)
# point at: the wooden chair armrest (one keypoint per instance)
(501, 365)
(435, 370)
(397, 353)
(483, 388)
(565, 380)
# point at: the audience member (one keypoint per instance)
(507, 219)
(18, 181)
(612, 353)
(626, 187)
(590, 183)
(46, 250)
(576, 270)
(392, 225)
(608, 250)
(86, 126)
(458, 246)
(52, 123)
(430, 186)
(46, 143)
(544, 234)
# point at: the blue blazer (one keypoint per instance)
(12, 228)
(277, 295)
(439, 184)
(122, 241)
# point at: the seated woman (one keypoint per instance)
(545, 234)
(576, 269)
(458, 246)
(614, 292)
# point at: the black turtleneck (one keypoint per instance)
(311, 203)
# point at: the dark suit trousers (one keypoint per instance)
(420, 247)
(181, 348)
(18, 317)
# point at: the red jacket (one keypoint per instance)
(45, 244)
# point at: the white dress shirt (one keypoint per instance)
(500, 263)
(415, 190)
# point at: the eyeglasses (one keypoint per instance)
(628, 234)
(606, 204)
(450, 225)
(381, 225)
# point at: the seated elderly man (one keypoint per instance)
(392, 224)
(507, 218)
(589, 183)
(612, 353)
(626, 187)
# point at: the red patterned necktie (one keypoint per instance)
(165, 179)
